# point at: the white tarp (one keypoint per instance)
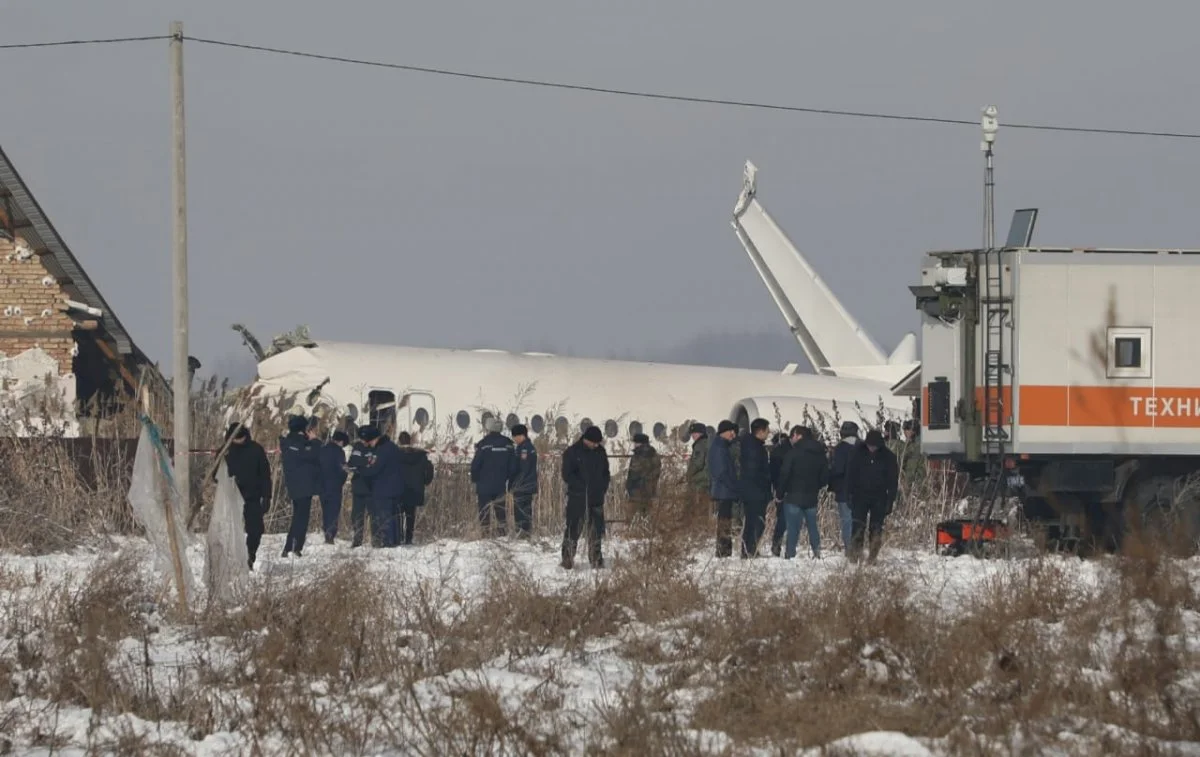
(225, 564)
(156, 506)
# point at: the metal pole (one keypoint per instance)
(990, 125)
(182, 409)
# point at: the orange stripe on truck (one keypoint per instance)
(1097, 406)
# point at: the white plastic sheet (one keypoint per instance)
(156, 506)
(226, 560)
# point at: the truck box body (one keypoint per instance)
(1101, 350)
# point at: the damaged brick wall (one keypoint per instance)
(30, 314)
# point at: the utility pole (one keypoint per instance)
(182, 390)
(990, 127)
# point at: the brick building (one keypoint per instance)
(63, 352)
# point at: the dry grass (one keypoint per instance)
(348, 662)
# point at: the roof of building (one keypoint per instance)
(28, 221)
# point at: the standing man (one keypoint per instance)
(524, 480)
(782, 445)
(805, 472)
(872, 479)
(907, 449)
(417, 472)
(645, 467)
(387, 486)
(360, 485)
(723, 484)
(697, 462)
(301, 452)
(837, 479)
(333, 480)
(491, 469)
(585, 471)
(247, 462)
(754, 485)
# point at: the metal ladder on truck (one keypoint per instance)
(995, 313)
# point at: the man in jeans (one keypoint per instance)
(837, 479)
(805, 471)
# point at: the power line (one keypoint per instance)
(687, 98)
(65, 43)
(641, 94)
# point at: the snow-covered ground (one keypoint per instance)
(650, 668)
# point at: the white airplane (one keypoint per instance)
(444, 396)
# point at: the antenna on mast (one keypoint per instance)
(990, 125)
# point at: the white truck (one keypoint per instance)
(1071, 377)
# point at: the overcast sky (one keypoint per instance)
(385, 206)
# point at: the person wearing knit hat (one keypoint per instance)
(301, 454)
(872, 482)
(360, 459)
(333, 480)
(246, 461)
(492, 468)
(641, 482)
(837, 478)
(525, 480)
(586, 473)
(723, 484)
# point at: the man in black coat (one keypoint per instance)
(417, 472)
(333, 480)
(805, 472)
(754, 484)
(247, 463)
(491, 469)
(837, 478)
(387, 485)
(872, 481)
(782, 445)
(360, 485)
(301, 453)
(585, 471)
(524, 480)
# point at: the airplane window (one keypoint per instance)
(562, 427)
(483, 420)
(585, 424)
(421, 418)
(711, 431)
(610, 428)
(537, 424)
(463, 419)
(660, 431)
(635, 428)
(511, 421)
(685, 431)
(352, 412)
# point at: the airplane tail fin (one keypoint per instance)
(834, 342)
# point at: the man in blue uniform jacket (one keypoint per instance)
(301, 452)
(524, 480)
(491, 470)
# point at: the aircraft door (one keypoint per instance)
(419, 411)
(379, 406)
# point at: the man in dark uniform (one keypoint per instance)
(585, 471)
(247, 463)
(754, 483)
(524, 480)
(491, 469)
(723, 484)
(333, 480)
(872, 481)
(360, 485)
(387, 488)
(301, 453)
